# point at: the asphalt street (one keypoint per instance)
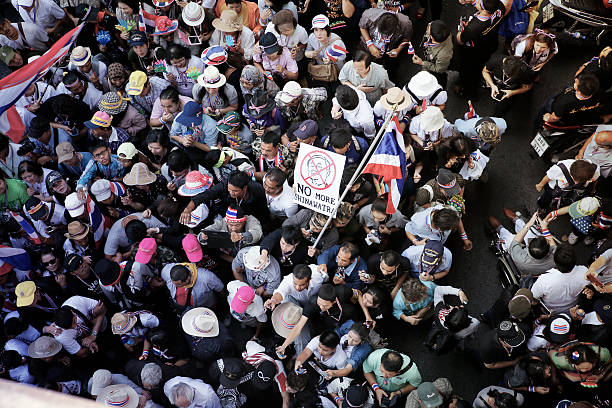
(512, 177)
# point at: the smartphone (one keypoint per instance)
(194, 40)
(498, 96)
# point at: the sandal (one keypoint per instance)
(420, 13)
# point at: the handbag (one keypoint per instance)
(439, 339)
(323, 72)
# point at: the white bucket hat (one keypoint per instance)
(211, 78)
(74, 205)
(193, 14)
(432, 119)
(290, 91)
(251, 257)
(423, 84)
(200, 322)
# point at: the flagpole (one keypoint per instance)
(357, 172)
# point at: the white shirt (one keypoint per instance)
(287, 290)
(557, 178)
(299, 36)
(440, 98)
(57, 218)
(362, 117)
(204, 397)
(42, 92)
(417, 129)
(68, 337)
(420, 225)
(35, 37)
(283, 205)
(92, 95)
(559, 291)
(247, 41)
(45, 13)
(254, 311)
(413, 254)
(41, 186)
(336, 361)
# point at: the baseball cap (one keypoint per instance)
(320, 21)
(355, 396)
(101, 189)
(73, 261)
(192, 248)
(447, 181)
(432, 255)
(264, 375)
(242, 299)
(584, 207)
(520, 304)
(25, 293)
(429, 395)
(137, 38)
(510, 333)
(127, 151)
(290, 91)
(146, 249)
(603, 308)
(232, 370)
(559, 330)
(74, 205)
(99, 119)
(65, 151)
(36, 208)
(137, 81)
(306, 129)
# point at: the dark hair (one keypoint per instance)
(329, 338)
(445, 219)
(327, 30)
(439, 30)
(158, 136)
(169, 208)
(302, 271)
(413, 290)
(179, 273)
(462, 146)
(457, 320)
(170, 93)
(276, 175)
(38, 126)
(10, 359)
(362, 331)
(377, 293)
(565, 258)
(52, 251)
(211, 158)
(297, 381)
(347, 97)
(30, 167)
(581, 353)
(531, 40)
(511, 66)
(503, 399)
(238, 179)
(14, 326)
(70, 78)
(490, 5)
(291, 235)
(4, 141)
(535, 369)
(177, 51)
(387, 23)
(96, 144)
(327, 292)
(339, 137)
(362, 56)
(63, 317)
(392, 361)
(380, 205)
(271, 138)
(159, 337)
(136, 230)
(347, 174)
(391, 258)
(233, 1)
(588, 84)
(538, 247)
(582, 171)
(352, 249)
(178, 160)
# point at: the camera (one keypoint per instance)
(27, 147)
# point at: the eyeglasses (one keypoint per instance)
(50, 262)
(99, 155)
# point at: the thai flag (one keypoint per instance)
(16, 258)
(335, 52)
(15, 84)
(146, 21)
(117, 188)
(27, 227)
(471, 113)
(389, 162)
(96, 220)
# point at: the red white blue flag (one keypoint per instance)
(15, 84)
(146, 21)
(389, 162)
(117, 188)
(96, 220)
(27, 227)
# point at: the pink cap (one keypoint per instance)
(192, 248)
(242, 299)
(146, 249)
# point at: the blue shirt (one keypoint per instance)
(48, 149)
(207, 134)
(75, 171)
(352, 155)
(357, 354)
(400, 307)
(111, 172)
(351, 273)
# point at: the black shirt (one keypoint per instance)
(386, 281)
(481, 32)
(255, 204)
(491, 350)
(271, 242)
(576, 111)
(340, 312)
(495, 67)
(605, 77)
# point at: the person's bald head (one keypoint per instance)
(604, 139)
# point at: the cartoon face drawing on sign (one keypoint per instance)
(318, 170)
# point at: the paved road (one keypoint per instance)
(512, 176)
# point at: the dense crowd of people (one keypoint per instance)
(153, 253)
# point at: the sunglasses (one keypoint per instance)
(51, 262)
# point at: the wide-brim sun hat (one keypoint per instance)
(80, 56)
(432, 119)
(200, 322)
(212, 78)
(395, 98)
(423, 84)
(164, 25)
(140, 175)
(118, 396)
(193, 14)
(122, 323)
(228, 22)
(77, 230)
(43, 347)
(250, 258)
(195, 183)
(284, 318)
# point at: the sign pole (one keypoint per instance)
(362, 164)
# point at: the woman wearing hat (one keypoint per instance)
(252, 78)
(262, 115)
(320, 44)
(232, 35)
(196, 23)
(235, 134)
(144, 187)
(134, 329)
(58, 187)
(141, 55)
(123, 114)
(272, 59)
(216, 96)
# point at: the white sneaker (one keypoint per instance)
(572, 239)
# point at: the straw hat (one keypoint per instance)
(193, 14)
(211, 78)
(118, 395)
(284, 318)
(80, 56)
(77, 230)
(228, 22)
(200, 322)
(43, 347)
(250, 258)
(432, 119)
(113, 103)
(395, 96)
(122, 323)
(423, 84)
(140, 175)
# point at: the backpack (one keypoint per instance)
(516, 22)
